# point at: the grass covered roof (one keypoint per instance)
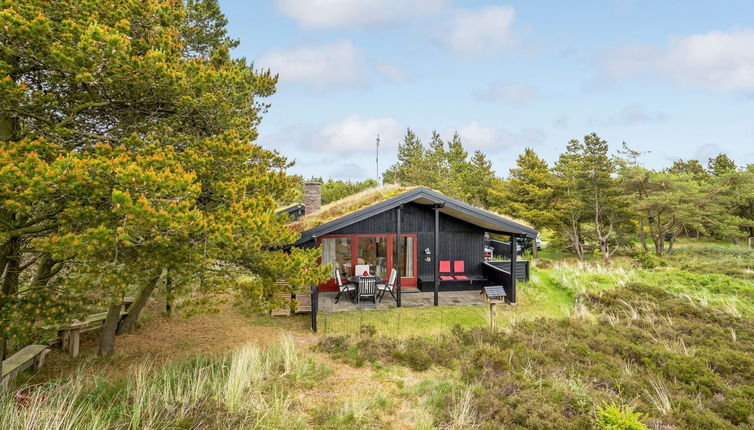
(359, 201)
(350, 204)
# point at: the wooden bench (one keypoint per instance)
(20, 361)
(70, 337)
(304, 303)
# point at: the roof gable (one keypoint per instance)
(422, 195)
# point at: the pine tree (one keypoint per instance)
(529, 192)
(720, 165)
(412, 160)
(125, 140)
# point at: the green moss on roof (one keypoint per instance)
(348, 205)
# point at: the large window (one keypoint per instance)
(337, 251)
(377, 252)
(373, 251)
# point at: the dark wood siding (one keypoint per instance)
(459, 240)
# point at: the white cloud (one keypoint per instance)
(393, 72)
(633, 115)
(492, 139)
(513, 94)
(333, 65)
(628, 61)
(717, 60)
(355, 133)
(356, 13)
(483, 31)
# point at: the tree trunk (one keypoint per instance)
(670, 245)
(168, 295)
(44, 271)
(107, 340)
(643, 234)
(12, 266)
(129, 323)
(2, 355)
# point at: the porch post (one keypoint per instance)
(513, 269)
(398, 246)
(437, 254)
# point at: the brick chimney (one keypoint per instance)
(312, 197)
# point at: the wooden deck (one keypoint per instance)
(414, 299)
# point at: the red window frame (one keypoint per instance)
(405, 281)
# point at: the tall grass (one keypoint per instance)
(249, 388)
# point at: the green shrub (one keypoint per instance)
(647, 260)
(612, 417)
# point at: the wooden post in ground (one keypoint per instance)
(74, 340)
(398, 247)
(493, 317)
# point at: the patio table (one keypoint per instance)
(355, 281)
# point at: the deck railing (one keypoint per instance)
(498, 276)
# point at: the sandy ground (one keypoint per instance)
(161, 339)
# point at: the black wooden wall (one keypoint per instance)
(459, 240)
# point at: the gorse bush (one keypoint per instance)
(250, 388)
(612, 417)
(678, 362)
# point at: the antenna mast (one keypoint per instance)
(378, 159)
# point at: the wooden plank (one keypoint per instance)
(304, 303)
(23, 358)
(286, 310)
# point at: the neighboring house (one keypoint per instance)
(294, 211)
(442, 240)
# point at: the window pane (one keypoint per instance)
(372, 251)
(407, 257)
(343, 255)
(328, 253)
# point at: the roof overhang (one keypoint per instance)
(489, 221)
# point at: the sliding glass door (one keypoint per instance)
(373, 252)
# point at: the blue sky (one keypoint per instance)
(672, 77)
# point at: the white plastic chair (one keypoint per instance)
(389, 286)
(361, 268)
(368, 288)
(343, 288)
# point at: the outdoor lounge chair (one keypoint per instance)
(459, 267)
(389, 286)
(368, 288)
(343, 288)
(445, 268)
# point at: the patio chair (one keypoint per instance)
(445, 268)
(343, 288)
(459, 267)
(368, 288)
(361, 269)
(389, 286)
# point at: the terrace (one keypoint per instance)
(414, 299)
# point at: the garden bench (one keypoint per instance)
(20, 361)
(70, 337)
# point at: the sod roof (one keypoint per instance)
(370, 202)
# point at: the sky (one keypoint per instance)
(673, 78)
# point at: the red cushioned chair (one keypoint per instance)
(445, 268)
(458, 267)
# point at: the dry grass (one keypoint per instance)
(348, 205)
(360, 201)
(163, 339)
